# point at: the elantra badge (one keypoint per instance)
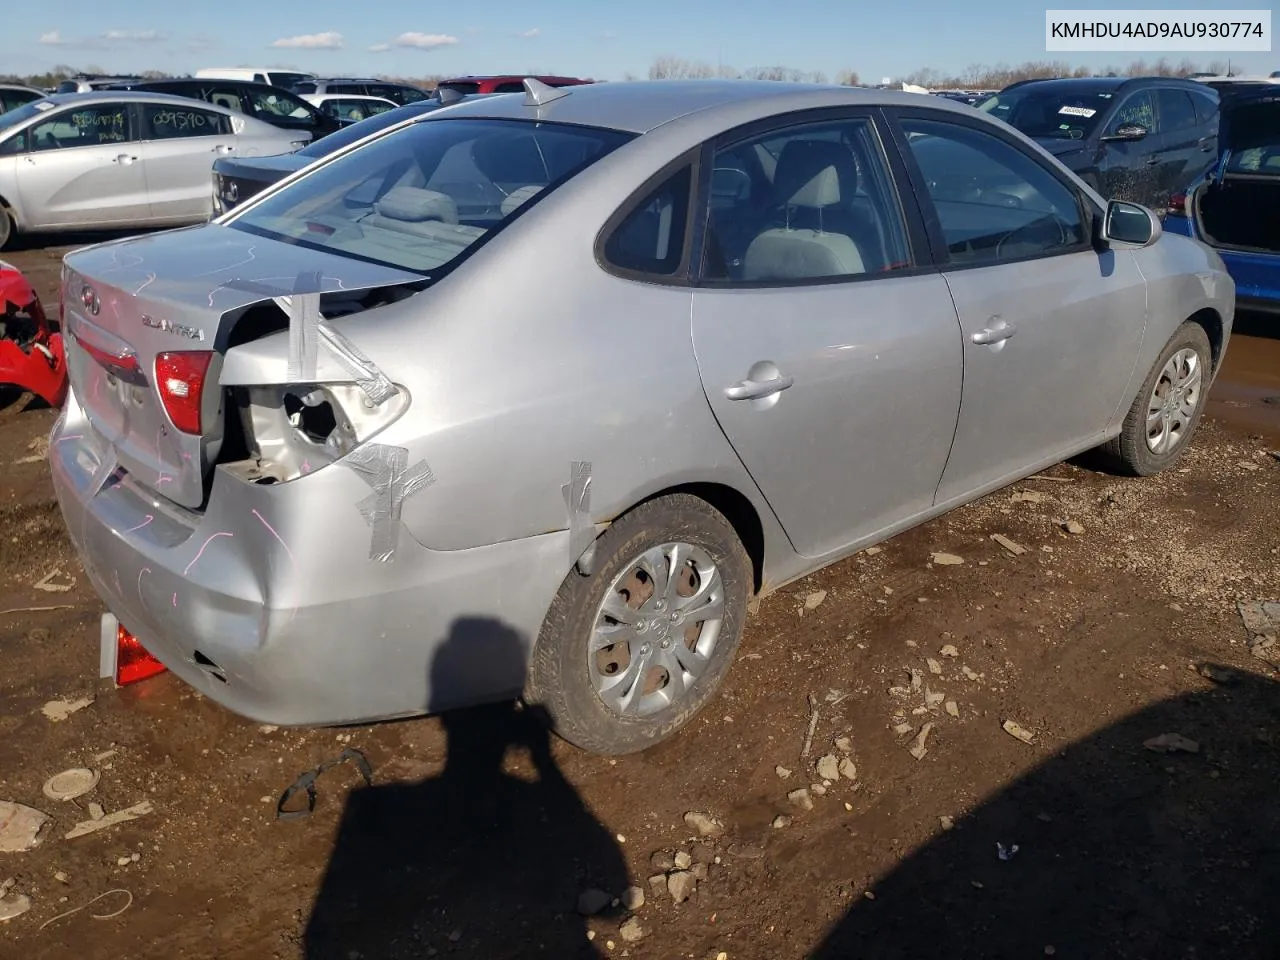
(168, 326)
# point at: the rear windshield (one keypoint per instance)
(24, 112)
(461, 86)
(1050, 112)
(281, 78)
(421, 197)
(358, 131)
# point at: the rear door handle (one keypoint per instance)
(758, 389)
(1152, 161)
(223, 149)
(999, 331)
(125, 159)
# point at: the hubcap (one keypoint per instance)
(656, 629)
(1174, 401)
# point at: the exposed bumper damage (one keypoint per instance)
(31, 354)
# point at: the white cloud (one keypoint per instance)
(424, 41)
(132, 36)
(535, 32)
(608, 35)
(329, 40)
(380, 48)
(52, 39)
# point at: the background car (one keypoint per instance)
(349, 108)
(272, 105)
(400, 93)
(269, 75)
(503, 83)
(14, 95)
(118, 159)
(1236, 207)
(236, 179)
(88, 82)
(572, 405)
(1132, 139)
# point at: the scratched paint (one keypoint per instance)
(203, 547)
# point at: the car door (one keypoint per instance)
(179, 145)
(1051, 326)
(828, 346)
(1182, 137)
(1130, 169)
(82, 168)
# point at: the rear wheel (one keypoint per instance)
(629, 654)
(6, 226)
(1167, 410)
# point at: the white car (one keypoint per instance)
(271, 75)
(348, 108)
(120, 159)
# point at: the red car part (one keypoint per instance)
(31, 355)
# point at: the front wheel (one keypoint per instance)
(628, 655)
(1167, 410)
(7, 230)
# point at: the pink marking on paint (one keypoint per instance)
(74, 436)
(306, 466)
(116, 575)
(175, 600)
(140, 573)
(141, 525)
(163, 478)
(279, 539)
(200, 552)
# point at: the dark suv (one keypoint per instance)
(400, 93)
(1137, 139)
(272, 105)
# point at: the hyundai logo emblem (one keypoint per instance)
(90, 299)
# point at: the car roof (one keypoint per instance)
(394, 83)
(1089, 84)
(640, 106)
(128, 96)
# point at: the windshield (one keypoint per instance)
(282, 78)
(1049, 111)
(420, 197)
(24, 112)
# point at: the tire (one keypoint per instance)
(7, 231)
(1131, 452)
(565, 675)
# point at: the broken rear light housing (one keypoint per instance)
(1177, 205)
(133, 663)
(180, 381)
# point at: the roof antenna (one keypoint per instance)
(447, 95)
(537, 93)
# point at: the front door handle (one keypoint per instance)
(125, 159)
(758, 389)
(223, 149)
(999, 331)
(1152, 161)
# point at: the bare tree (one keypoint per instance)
(675, 68)
(848, 78)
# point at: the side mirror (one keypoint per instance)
(1128, 132)
(1130, 223)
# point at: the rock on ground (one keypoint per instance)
(592, 902)
(681, 885)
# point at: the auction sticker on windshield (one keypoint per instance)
(1077, 111)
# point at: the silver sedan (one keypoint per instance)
(530, 396)
(117, 159)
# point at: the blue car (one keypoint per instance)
(1235, 207)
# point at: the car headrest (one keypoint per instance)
(815, 173)
(414, 204)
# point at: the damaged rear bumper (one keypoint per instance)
(31, 355)
(269, 603)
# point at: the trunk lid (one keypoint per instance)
(1248, 122)
(129, 300)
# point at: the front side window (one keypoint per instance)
(651, 237)
(420, 197)
(810, 202)
(993, 201)
(397, 93)
(88, 127)
(1051, 111)
(353, 110)
(307, 86)
(1137, 109)
(347, 88)
(165, 122)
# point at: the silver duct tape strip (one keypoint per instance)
(386, 469)
(577, 500)
(304, 327)
(375, 384)
(106, 467)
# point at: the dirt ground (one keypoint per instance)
(480, 833)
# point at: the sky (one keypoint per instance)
(573, 37)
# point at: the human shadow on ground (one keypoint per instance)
(473, 862)
(1122, 852)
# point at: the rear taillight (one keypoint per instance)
(1177, 205)
(133, 662)
(180, 381)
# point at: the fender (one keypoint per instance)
(31, 354)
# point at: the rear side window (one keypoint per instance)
(1138, 109)
(1177, 112)
(90, 127)
(461, 86)
(164, 122)
(1206, 107)
(994, 202)
(225, 97)
(306, 87)
(651, 238)
(259, 78)
(347, 88)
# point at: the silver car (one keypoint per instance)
(532, 395)
(118, 159)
